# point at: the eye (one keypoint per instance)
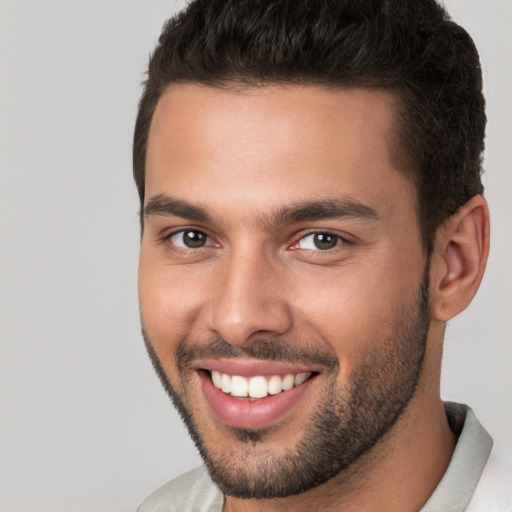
(190, 239)
(319, 241)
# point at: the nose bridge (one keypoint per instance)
(250, 298)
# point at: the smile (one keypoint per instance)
(254, 394)
(257, 386)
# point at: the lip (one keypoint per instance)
(251, 368)
(252, 414)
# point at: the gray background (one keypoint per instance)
(84, 423)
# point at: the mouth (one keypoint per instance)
(258, 386)
(254, 394)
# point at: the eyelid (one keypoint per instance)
(210, 242)
(342, 240)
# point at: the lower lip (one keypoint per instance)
(251, 414)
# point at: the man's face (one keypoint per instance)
(282, 280)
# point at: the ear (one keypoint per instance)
(458, 261)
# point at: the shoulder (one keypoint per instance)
(494, 490)
(192, 492)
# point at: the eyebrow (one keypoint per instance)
(167, 205)
(335, 208)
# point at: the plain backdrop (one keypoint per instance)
(85, 425)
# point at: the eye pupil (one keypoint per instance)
(325, 241)
(194, 239)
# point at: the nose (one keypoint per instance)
(250, 300)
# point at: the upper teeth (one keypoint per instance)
(258, 386)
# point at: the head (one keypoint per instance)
(414, 50)
(309, 171)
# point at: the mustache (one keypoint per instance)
(262, 349)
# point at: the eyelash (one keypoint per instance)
(168, 240)
(337, 238)
(340, 241)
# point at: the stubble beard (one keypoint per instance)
(347, 424)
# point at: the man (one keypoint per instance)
(312, 216)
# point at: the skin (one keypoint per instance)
(243, 155)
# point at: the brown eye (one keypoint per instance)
(189, 239)
(325, 241)
(319, 241)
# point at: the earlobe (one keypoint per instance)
(459, 259)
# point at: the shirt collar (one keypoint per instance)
(458, 484)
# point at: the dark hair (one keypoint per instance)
(411, 48)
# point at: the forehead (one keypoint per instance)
(273, 143)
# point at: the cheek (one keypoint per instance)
(169, 294)
(355, 311)
(168, 307)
